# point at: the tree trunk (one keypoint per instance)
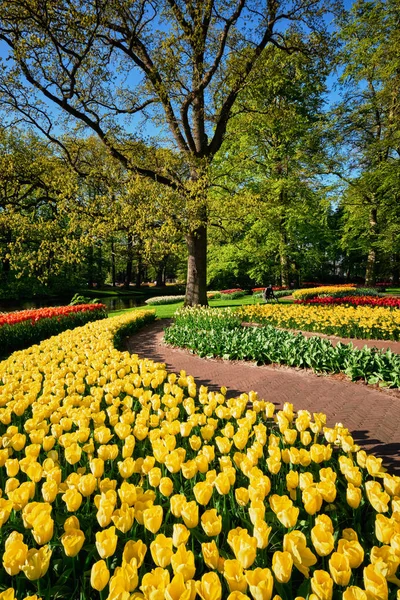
(138, 281)
(196, 287)
(283, 255)
(6, 259)
(395, 269)
(160, 277)
(113, 276)
(129, 262)
(370, 273)
(90, 267)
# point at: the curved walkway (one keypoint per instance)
(372, 415)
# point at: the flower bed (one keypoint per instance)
(232, 294)
(165, 300)
(211, 332)
(336, 291)
(23, 328)
(390, 302)
(363, 322)
(122, 481)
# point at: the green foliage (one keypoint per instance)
(130, 328)
(219, 335)
(78, 299)
(25, 334)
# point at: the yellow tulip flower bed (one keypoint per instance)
(363, 322)
(121, 481)
(325, 290)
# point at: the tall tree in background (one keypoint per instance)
(99, 60)
(274, 148)
(368, 126)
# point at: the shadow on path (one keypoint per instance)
(370, 414)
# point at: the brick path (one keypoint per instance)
(372, 415)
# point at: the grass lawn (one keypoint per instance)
(166, 311)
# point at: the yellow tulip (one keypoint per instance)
(234, 576)
(378, 498)
(166, 486)
(282, 564)
(106, 542)
(296, 544)
(237, 596)
(180, 534)
(87, 485)
(222, 483)
(127, 493)
(99, 575)
(339, 568)
(353, 550)
(245, 548)
(210, 554)
(211, 522)
(190, 514)
(72, 541)
(152, 518)
(183, 563)
(176, 504)
(322, 585)
(161, 550)
(322, 539)
(123, 518)
(8, 594)
(155, 583)
(72, 499)
(312, 500)
(375, 583)
(354, 593)
(5, 510)
(209, 588)
(256, 511)
(242, 496)
(15, 553)
(37, 563)
(177, 589)
(261, 532)
(49, 491)
(43, 529)
(261, 583)
(73, 453)
(353, 496)
(203, 491)
(136, 550)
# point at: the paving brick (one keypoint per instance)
(372, 415)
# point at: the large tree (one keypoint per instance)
(274, 147)
(367, 127)
(97, 62)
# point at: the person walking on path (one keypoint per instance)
(268, 294)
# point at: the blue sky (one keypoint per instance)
(150, 130)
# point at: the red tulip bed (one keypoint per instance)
(23, 328)
(391, 302)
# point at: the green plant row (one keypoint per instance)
(25, 334)
(131, 327)
(266, 345)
